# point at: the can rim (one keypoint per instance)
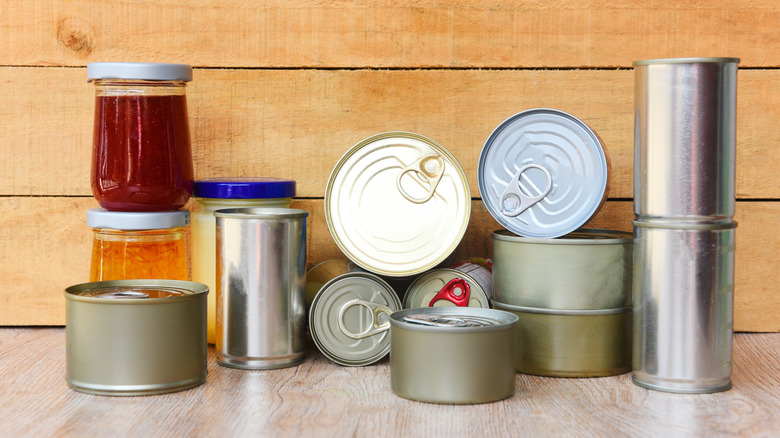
(334, 356)
(506, 320)
(261, 213)
(563, 312)
(340, 165)
(685, 226)
(615, 237)
(603, 158)
(408, 291)
(191, 289)
(694, 60)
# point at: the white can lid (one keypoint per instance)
(125, 220)
(139, 70)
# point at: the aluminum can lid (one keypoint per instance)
(349, 318)
(453, 319)
(428, 286)
(397, 204)
(543, 173)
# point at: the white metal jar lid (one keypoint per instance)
(543, 173)
(397, 204)
(126, 220)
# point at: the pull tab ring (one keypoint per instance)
(373, 328)
(447, 293)
(513, 194)
(429, 168)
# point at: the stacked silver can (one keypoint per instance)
(684, 172)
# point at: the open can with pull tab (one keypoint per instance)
(397, 204)
(467, 284)
(349, 318)
(543, 173)
(455, 355)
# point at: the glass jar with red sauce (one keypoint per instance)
(141, 154)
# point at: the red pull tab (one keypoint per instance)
(448, 293)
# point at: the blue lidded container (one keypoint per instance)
(220, 193)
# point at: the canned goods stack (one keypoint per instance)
(543, 174)
(684, 195)
(139, 327)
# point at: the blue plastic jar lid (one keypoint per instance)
(244, 188)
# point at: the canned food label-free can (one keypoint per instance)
(349, 318)
(447, 287)
(543, 173)
(397, 204)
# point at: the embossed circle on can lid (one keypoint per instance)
(426, 288)
(543, 173)
(397, 204)
(349, 318)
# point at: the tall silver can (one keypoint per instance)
(261, 274)
(684, 147)
(683, 306)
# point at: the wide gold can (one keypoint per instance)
(135, 337)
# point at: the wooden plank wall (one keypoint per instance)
(285, 87)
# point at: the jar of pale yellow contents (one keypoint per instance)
(138, 245)
(221, 193)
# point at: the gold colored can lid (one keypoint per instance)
(397, 204)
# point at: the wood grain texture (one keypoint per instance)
(47, 246)
(320, 398)
(297, 124)
(388, 33)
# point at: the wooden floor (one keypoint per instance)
(323, 399)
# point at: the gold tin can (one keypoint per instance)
(135, 337)
(573, 343)
(589, 269)
(453, 355)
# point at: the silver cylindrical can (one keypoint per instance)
(684, 148)
(683, 306)
(261, 271)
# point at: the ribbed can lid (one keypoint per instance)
(244, 188)
(349, 318)
(397, 204)
(122, 220)
(543, 173)
(147, 71)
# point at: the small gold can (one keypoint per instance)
(136, 337)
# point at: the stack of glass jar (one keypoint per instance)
(141, 171)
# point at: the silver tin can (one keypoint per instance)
(543, 173)
(457, 355)
(683, 307)
(684, 148)
(349, 318)
(447, 287)
(397, 204)
(261, 270)
(571, 343)
(135, 337)
(588, 269)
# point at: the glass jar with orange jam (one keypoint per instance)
(148, 245)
